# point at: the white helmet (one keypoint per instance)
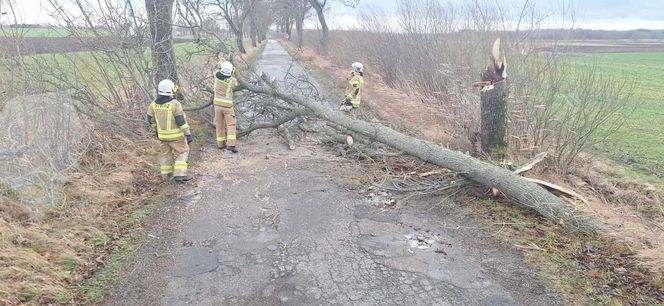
(226, 68)
(358, 67)
(166, 88)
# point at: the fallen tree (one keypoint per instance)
(524, 192)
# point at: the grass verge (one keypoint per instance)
(72, 255)
(583, 269)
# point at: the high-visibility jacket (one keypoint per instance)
(169, 119)
(355, 88)
(223, 91)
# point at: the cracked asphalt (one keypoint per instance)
(272, 226)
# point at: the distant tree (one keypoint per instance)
(284, 16)
(260, 21)
(235, 12)
(300, 11)
(319, 6)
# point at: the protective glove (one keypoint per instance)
(189, 138)
(347, 101)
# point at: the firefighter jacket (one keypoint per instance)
(355, 88)
(223, 90)
(166, 116)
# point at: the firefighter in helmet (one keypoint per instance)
(355, 88)
(224, 114)
(166, 116)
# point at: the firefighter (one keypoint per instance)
(166, 116)
(355, 88)
(224, 114)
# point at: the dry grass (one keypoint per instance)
(584, 270)
(44, 260)
(403, 108)
(630, 210)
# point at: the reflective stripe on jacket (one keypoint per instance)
(165, 123)
(355, 88)
(223, 91)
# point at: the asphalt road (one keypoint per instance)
(272, 226)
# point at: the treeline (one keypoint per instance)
(28, 26)
(582, 34)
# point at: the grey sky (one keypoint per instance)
(592, 14)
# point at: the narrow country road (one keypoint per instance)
(272, 226)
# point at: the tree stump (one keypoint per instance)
(494, 119)
(493, 95)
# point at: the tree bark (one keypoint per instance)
(239, 37)
(289, 29)
(493, 95)
(254, 28)
(254, 38)
(524, 192)
(494, 119)
(299, 11)
(160, 14)
(323, 24)
(299, 27)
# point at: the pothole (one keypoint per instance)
(421, 241)
(380, 199)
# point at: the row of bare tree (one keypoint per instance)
(295, 12)
(258, 15)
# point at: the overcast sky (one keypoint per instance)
(591, 14)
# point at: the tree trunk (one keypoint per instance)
(299, 27)
(494, 120)
(289, 30)
(493, 95)
(254, 28)
(239, 37)
(254, 38)
(524, 192)
(323, 25)
(160, 22)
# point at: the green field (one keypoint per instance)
(639, 143)
(33, 32)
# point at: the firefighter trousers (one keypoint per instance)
(224, 121)
(178, 149)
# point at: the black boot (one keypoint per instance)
(232, 149)
(222, 145)
(182, 179)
